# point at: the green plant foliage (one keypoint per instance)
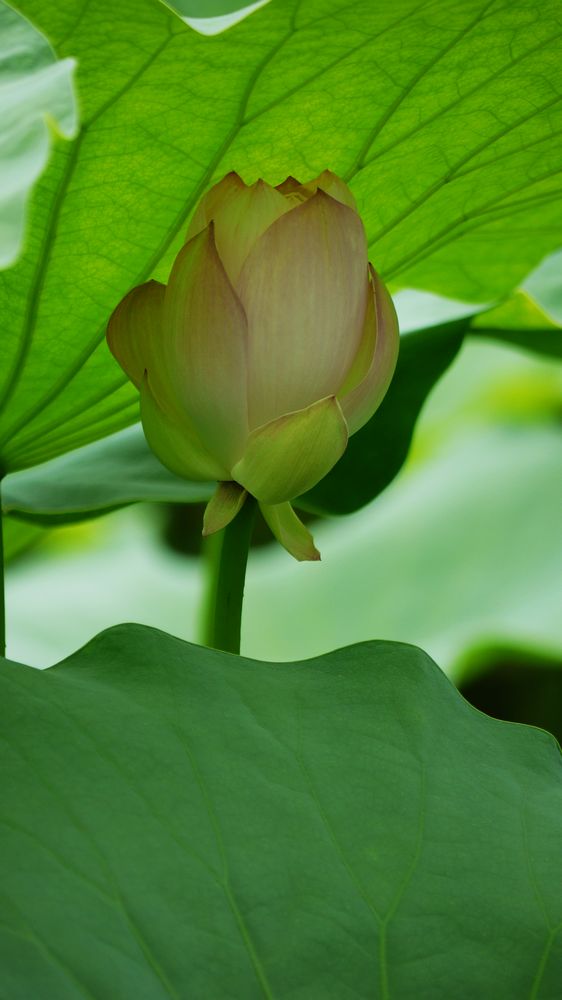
(442, 116)
(180, 822)
(35, 95)
(97, 478)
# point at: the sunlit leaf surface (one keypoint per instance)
(443, 116)
(180, 822)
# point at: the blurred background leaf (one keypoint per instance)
(444, 119)
(327, 822)
(110, 473)
(36, 98)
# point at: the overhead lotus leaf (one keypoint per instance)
(443, 118)
(181, 822)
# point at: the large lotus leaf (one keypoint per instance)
(443, 117)
(35, 95)
(179, 822)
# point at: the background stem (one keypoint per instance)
(227, 556)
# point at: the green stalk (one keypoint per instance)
(227, 556)
(2, 599)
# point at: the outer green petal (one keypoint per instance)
(304, 288)
(134, 332)
(223, 507)
(290, 531)
(175, 441)
(240, 214)
(206, 337)
(359, 402)
(288, 456)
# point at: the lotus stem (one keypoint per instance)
(227, 557)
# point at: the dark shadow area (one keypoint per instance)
(518, 688)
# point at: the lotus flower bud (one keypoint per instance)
(272, 342)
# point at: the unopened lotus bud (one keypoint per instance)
(273, 341)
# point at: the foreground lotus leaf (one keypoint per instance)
(272, 342)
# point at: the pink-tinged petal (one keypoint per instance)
(289, 186)
(365, 388)
(223, 507)
(206, 346)
(365, 351)
(294, 192)
(333, 185)
(327, 181)
(240, 213)
(174, 440)
(289, 455)
(229, 187)
(290, 532)
(239, 222)
(304, 289)
(134, 332)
